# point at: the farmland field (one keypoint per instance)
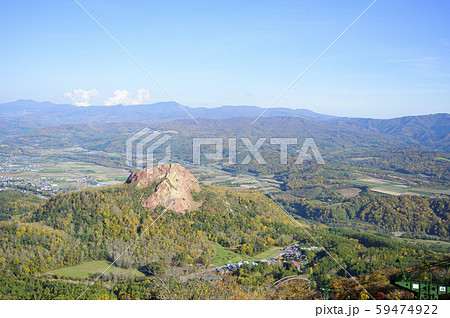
(349, 192)
(68, 174)
(393, 188)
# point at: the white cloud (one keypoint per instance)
(119, 97)
(122, 96)
(143, 95)
(81, 97)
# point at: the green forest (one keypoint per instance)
(99, 224)
(14, 203)
(415, 214)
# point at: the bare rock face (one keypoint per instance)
(173, 185)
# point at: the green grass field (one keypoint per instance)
(224, 256)
(391, 188)
(420, 192)
(270, 252)
(85, 269)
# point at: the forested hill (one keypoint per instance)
(411, 214)
(330, 135)
(431, 131)
(99, 223)
(14, 204)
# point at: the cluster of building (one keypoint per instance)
(41, 185)
(28, 185)
(310, 248)
(232, 267)
(21, 173)
(297, 252)
(292, 254)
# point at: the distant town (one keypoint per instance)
(24, 174)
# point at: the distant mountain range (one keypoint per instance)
(46, 113)
(429, 131)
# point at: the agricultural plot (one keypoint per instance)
(349, 193)
(210, 176)
(393, 188)
(49, 175)
(100, 173)
(67, 173)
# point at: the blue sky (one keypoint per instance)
(393, 62)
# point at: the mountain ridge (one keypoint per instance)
(23, 117)
(23, 108)
(432, 133)
(160, 111)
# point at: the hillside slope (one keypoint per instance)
(100, 223)
(430, 132)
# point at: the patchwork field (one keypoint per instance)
(101, 173)
(209, 176)
(67, 174)
(393, 188)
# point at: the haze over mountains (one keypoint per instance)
(45, 113)
(429, 131)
